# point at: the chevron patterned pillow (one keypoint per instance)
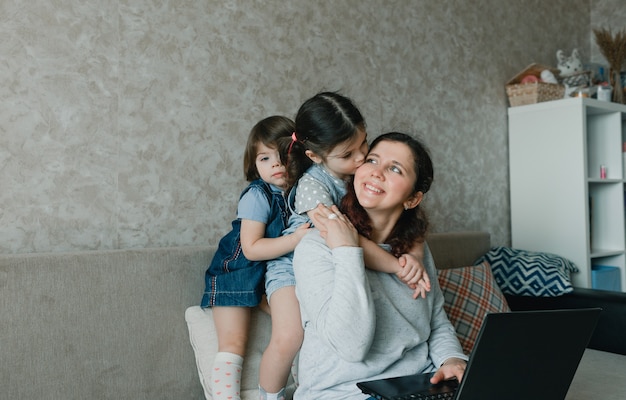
(469, 294)
(528, 273)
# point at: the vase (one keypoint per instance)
(616, 82)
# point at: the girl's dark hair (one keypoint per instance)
(322, 122)
(413, 223)
(274, 132)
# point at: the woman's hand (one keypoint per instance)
(335, 227)
(451, 368)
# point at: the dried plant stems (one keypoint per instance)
(613, 48)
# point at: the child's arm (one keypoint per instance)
(408, 267)
(256, 247)
(413, 269)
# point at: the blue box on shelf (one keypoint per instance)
(606, 277)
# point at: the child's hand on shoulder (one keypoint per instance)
(301, 231)
(412, 273)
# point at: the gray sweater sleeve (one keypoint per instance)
(334, 296)
(443, 342)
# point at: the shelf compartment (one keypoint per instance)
(608, 272)
(604, 145)
(606, 216)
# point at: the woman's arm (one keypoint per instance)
(334, 293)
(256, 247)
(443, 343)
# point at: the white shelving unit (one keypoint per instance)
(559, 202)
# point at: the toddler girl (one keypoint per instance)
(235, 278)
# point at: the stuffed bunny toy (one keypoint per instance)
(569, 65)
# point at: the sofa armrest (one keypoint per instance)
(609, 332)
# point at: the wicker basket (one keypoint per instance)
(536, 92)
(530, 93)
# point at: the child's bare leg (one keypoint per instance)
(264, 305)
(287, 335)
(231, 325)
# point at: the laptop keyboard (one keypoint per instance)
(425, 396)
(410, 387)
(418, 396)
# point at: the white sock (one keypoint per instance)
(226, 376)
(263, 395)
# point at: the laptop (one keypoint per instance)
(518, 355)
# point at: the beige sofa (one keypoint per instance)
(111, 324)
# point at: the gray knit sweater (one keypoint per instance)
(361, 324)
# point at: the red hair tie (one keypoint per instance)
(293, 140)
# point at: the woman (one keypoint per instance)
(362, 324)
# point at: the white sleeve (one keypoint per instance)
(335, 296)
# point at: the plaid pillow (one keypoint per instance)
(469, 294)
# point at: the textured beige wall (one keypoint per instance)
(606, 14)
(122, 122)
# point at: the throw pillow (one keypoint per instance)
(469, 294)
(528, 273)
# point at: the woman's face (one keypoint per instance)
(386, 180)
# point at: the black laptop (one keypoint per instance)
(517, 356)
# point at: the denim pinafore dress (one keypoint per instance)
(231, 279)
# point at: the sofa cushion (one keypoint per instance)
(469, 294)
(203, 340)
(528, 273)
